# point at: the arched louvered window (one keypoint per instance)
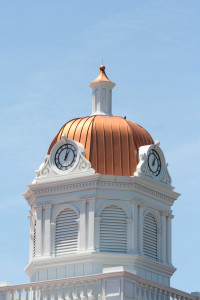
(150, 237)
(66, 235)
(113, 230)
(34, 238)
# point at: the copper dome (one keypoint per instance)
(111, 142)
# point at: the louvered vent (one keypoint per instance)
(113, 230)
(150, 237)
(66, 238)
(34, 239)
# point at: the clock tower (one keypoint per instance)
(102, 198)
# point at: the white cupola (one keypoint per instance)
(102, 94)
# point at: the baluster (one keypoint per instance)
(12, 294)
(70, 291)
(20, 294)
(154, 293)
(41, 293)
(48, 292)
(139, 291)
(84, 294)
(27, 293)
(145, 292)
(67, 292)
(76, 291)
(99, 284)
(92, 295)
(33, 290)
(150, 292)
(160, 295)
(59, 289)
(169, 296)
(63, 290)
(56, 292)
(165, 295)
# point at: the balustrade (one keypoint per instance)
(91, 288)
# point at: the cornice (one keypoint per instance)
(134, 185)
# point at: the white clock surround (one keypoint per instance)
(49, 171)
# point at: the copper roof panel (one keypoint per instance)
(111, 142)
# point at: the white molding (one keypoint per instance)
(116, 203)
(137, 186)
(61, 208)
(100, 258)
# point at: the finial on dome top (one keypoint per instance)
(102, 93)
(102, 74)
(102, 67)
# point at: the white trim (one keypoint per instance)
(62, 207)
(116, 203)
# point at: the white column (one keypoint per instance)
(82, 224)
(169, 239)
(39, 231)
(47, 230)
(91, 214)
(140, 227)
(134, 208)
(163, 237)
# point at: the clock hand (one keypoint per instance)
(67, 152)
(153, 163)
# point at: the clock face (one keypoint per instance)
(154, 162)
(65, 157)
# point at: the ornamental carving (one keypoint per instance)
(152, 165)
(66, 159)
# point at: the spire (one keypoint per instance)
(102, 94)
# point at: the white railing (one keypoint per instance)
(93, 288)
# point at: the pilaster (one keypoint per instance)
(47, 230)
(164, 237)
(91, 214)
(39, 231)
(169, 239)
(140, 227)
(129, 235)
(97, 234)
(82, 226)
(134, 208)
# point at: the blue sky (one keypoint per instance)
(49, 53)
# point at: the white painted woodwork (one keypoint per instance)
(163, 238)
(82, 238)
(66, 235)
(150, 237)
(102, 97)
(134, 207)
(140, 228)
(116, 283)
(91, 224)
(169, 237)
(113, 230)
(47, 230)
(38, 251)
